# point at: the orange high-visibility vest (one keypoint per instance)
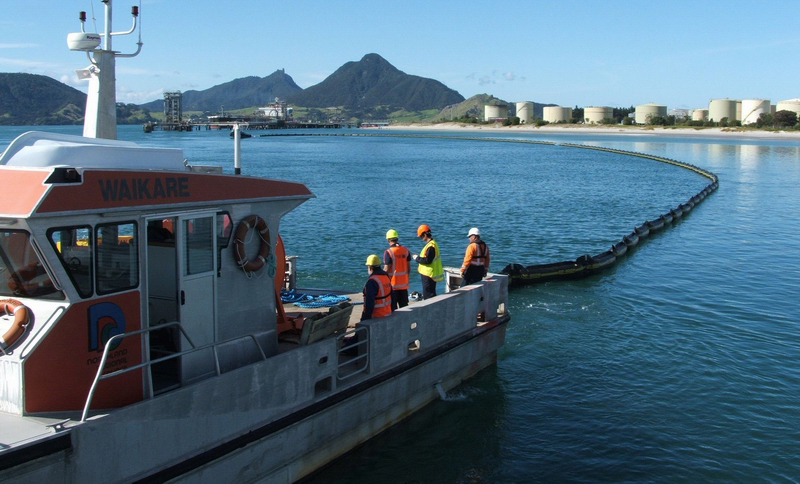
(399, 270)
(383, 301)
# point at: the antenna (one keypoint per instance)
(100, 120)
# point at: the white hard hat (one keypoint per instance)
(474, 231)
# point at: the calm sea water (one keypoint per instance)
(680, 364)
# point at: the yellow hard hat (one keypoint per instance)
(373, 260)
(392, 234)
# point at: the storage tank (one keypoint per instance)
(721, 108)
(752, 109)
(789, 105)
(596, 114)
(557, 114)
(700, 115)
(525, 112)
(644, 112)
(494, 112)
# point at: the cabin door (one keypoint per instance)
(197, 291)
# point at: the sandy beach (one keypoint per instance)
(729, 133)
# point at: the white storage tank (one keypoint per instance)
(492, 112)
(525, 112)
(644, 112)
(557, 114)
(788, 105)
(752, 109)
(721, 108)
(596, 114)
(700, 115)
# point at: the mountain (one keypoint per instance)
(32, 99)
(372, 82)
(236, 94)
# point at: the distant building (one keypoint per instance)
(278, 110)
(789, 105)
(700, 115)
(596, 114)
(173, 107)
(722, 108)
(497, 112)
(753, 108)
(646, 112)
(557, 114)
(525, 112)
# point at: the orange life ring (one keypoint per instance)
(247, 223)
(22, 317)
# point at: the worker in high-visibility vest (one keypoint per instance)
(476, 259)
(377, 291)
(396, 261)
(430, 262)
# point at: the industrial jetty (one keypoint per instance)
(143, 338)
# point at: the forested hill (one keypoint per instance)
(237, 94)
(373, 82)
(32, 99)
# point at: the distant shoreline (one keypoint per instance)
(582, 129)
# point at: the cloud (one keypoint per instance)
(129, 96)
(494, 78)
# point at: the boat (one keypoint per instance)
(144, 338)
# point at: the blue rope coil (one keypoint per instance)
(307, 301)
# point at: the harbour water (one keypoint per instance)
(680, 364)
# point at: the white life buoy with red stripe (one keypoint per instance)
(22, 317)
(247, 223)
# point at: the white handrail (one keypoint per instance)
(100, 376)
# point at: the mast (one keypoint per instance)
(100, 119)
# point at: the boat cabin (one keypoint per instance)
(102, 238)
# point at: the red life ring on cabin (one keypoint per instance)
(22, 317)
(247, 223)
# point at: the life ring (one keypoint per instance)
(22, 317)
(247, 223)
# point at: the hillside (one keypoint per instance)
(473, 107)
(237, 94)
(361, 87)
(32, 99)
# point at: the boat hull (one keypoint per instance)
(282, 418)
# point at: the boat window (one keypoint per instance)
(224, 231)
(21, 269)
(117, 257)
(74, 247)
(225, 228)
(199, 245)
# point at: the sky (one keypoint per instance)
(680, 53)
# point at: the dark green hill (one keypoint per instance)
(31, 99)
(362, 86)
(236, 94)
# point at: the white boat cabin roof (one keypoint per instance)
(38, 149)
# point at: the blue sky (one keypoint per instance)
(569, 52)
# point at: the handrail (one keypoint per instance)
(354, 359)
(100, 376)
